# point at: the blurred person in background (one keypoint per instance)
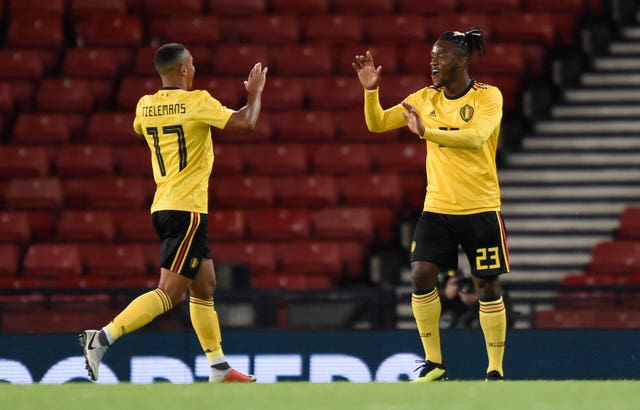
(176, 124)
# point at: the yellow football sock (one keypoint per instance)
(205, 322)
(426, 310)
(141, 311)
(493, 320)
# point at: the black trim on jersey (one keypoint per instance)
(455, 97)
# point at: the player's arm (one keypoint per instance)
(245, 118)
(377, 119)
(484, 123)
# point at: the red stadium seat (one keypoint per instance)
(42, 224)
(534, 28)
(22, 94)
(48, 260)
(354, 256)
(34, 193)
(226, 225)
(89, 226)
(111, 127)
(385, 223)
(300, 7)
(459, 22)
(351, 126)
(333, 29)
(490, 6)
(584, 297)
(343, 223)
(143, 62)
(38, 128)
(406, 157)
(133, 88)
(291, 282)
(260, 256)
(169, 8)
(83, 9)
(556, 6)
(364, 6)
(229, 159)
(413, 190)
(614, 257)
(14, 227)
(302, 59)
(134, 226)
(383, 55)
(124, 31)
(112, 260)
(133, 160)
(310, 257)
(261, 133)
(278, 224)
(341, 158)
(242, 191)
(188, 30)
(395, 29)
(238, 59)
(35, 32)
(107, 192)
(436, 7)
(91, 63)
(31, 62)
(261, 29)
(84, 161)
(305, 126)
(9, 260)
(371, 190)
(629, 227)
(394, 89)
(237, 7)
(283, 93)
(276, 159)
(333, 92)
(35, 8)
(501, 59)
(227, 90)
(509, 88)
(23, 161)
(65, 95)
(309, 191)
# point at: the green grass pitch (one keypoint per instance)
(458, 395)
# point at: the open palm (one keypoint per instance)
(367, 72)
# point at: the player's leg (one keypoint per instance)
(489, 257)
(207, 327)
(177, 230)
(428, 252)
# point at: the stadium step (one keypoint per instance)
(596, 111)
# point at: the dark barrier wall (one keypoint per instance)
(358, 356)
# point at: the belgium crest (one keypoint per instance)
(466, 112)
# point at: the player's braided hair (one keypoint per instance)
(468, 42)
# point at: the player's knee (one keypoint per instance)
(488, 289)
(423, 275)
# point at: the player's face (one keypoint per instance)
(444, 63)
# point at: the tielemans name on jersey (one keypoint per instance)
(164, 109)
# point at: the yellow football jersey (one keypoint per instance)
(462, 139)
(176, 125)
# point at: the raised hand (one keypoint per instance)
(412, 119)
(367, 72)
(257, 77)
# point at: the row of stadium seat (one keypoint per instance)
(595, 318)
(237, 191)
(292, 159)
(363, 224)
(135, 30)
(52, 265)
(79, 9)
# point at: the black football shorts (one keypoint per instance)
(184, 240)
(482, 236)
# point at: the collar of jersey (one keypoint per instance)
(455, 97)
